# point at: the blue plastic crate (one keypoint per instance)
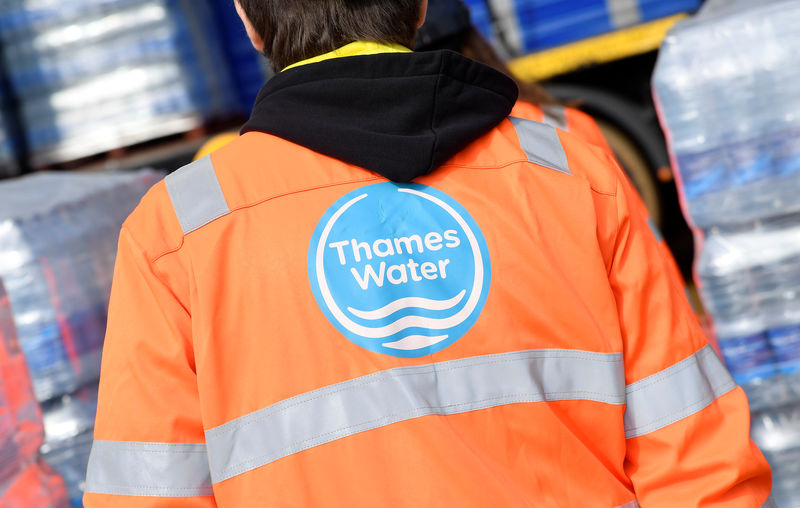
(481, 17)
(654, 9)
(248, 68)
(531, 25)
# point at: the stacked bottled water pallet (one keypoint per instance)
(58, 234)
(734, 121)
(24, 480)
(532, 25)
(726, 94)
(94, 75)
(750, 282)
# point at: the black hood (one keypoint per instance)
(401, 115)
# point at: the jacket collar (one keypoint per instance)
(401, 115)
(358, 48)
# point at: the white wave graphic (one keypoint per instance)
(405, 303)
(413, 342)
(383, 332)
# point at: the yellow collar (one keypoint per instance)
(357, 48)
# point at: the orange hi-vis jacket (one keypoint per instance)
(291, 329)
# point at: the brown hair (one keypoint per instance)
(294, 30)
(473, 45)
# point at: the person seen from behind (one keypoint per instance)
(386, 292)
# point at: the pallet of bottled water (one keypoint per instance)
(91, 76)
(749, 278)
(726, 94)
(726, 90)
(25, 481)
(58, 234)
(750, 283)
(58, 237)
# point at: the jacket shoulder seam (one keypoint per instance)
(603, 193)
(172, 250)
(524, 161)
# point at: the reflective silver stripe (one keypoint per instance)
(654, 228)
(624, 12)
(148, 469)
(395, 395)
(632, 504)
(555, 116)
(196, 195)
(770, 503)
(541, 144)
(682, 390)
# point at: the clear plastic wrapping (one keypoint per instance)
(69, 426)
(750, 283)
(25, 481)
(725, 86)
(94, 75)
(726, 93)
(58, 237)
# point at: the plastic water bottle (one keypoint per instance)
(687, 102)
(77, 292)
(22, 404)
(24, 482)
(781, 310)
(777, 434)
(750, 281)
(68, 437)
(735, 82)
(779, 72)
(729, 288)
(27, 283)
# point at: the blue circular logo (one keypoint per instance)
(399, 269)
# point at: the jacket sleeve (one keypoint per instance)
(587, 128)
(149, 445)
(637, 204)
(687, 424)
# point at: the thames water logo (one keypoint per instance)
(399, 269)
